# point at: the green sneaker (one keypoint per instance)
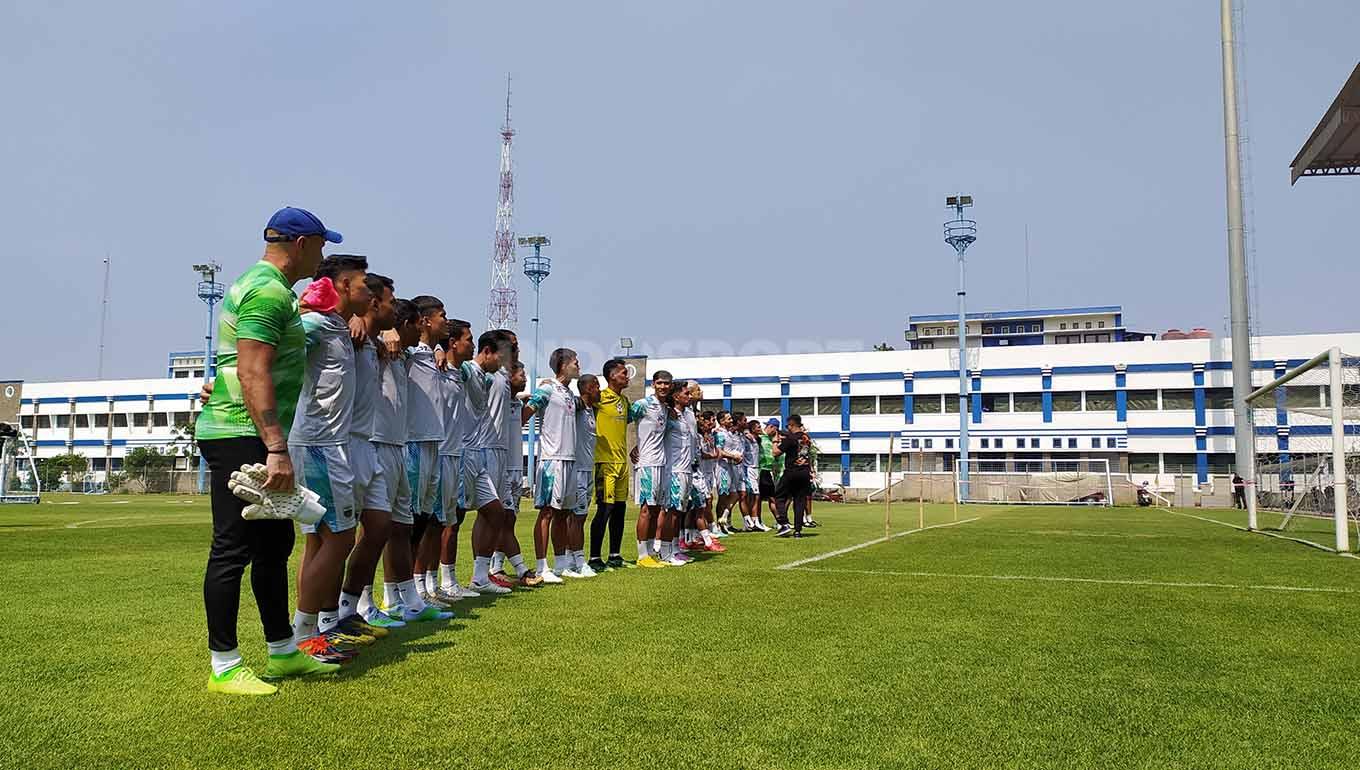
(239, 680)
(426, 615)
(296, 663)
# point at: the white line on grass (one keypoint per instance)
(875, 541)
(1275, 535)
(1096, 581)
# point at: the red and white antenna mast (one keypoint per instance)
(503, 308)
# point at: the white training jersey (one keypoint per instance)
(555, 407)
(691, 421)
(729, 441)
(389, 417)
(750, 454)
(326, 402)
(679, 443)
(585, 436)
(477, 385)
(707, 444)
(365, 390)
(650, 415)
(451, 445)
(514, 426)
(490, 431)
(425, 405)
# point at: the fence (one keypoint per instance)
(143, 483)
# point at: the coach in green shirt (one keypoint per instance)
(261, 350)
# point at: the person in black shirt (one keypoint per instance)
(795, 485)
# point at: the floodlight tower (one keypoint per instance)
(961, 233)
(503, 307)
(536, 269)
(211, 292)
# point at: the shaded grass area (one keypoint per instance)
(933, 649)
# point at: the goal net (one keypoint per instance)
(1035, 482)
(1310, 489)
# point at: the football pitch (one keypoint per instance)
(1008, 637)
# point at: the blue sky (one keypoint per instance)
(714, 176)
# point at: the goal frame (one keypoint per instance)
(1332, 359)
(977, 480)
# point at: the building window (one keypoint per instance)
(891, 405)
(928, 403)
(925, 345)
(986, 443)
(1006, 329)
(829, 405)
(1141, 400)
(1178, 399)
(1218, 398)
(1034, 327)
(139, 420)
(800, 406)
(81, 420)
(1221, 463)
(1145, 463)
(98, 463)
(949, 443)
(929, 443)
(1095, 442)
(1062, 325)
(1034, 443)
(1100, 324)
(1111, 443)
(1057, 443)
(101, 421)
(180, 374)
(1100, 400)
(1028, 402)
(827, 463)
(120, 420)
(115, 463)
(26, 422)
(1067, 402)
(1088, 324)
(160, 419)
(1071, 443)
(995, 402)
(63, 420)
(1096, 337)
(953, 330)
(863, 405)
(1302, 396)
(746, 406)
(863, 463)
(951, 403)
(183, 419)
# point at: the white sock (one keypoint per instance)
(304, 625)
(431, 582)
(517, 562)
(366, 600)
(665, 550)
(498, 561)
(285, 647)
(579, 559)
(543, 566)
(481, 570)
(391, 596)
(656, 544)
(327, 620)
(644, 549)
(410, 597)
(447, 577)
(349, 605)
(707, 536)
(562, 562)
(222, 662)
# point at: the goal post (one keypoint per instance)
(1036, 482)
(1315, 409)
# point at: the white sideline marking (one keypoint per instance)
(1275, 535)
(875, 541)
(1096, 581)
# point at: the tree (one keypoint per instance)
(146, 459)
(51, 470)
(884, 346)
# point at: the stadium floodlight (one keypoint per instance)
(1318, 447)
(211, 292)
(536, 269)
(626, 344)
(960, 233)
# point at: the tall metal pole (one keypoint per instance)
(1244, 434)
(961, 233)
(210, 291)
(1339, 476)
(536, 269)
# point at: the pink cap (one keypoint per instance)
(321, 296)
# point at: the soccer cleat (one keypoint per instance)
(353, 624)
(570, 572)
(433, 601)
(617, 562)
(811, 523)
(684, 557)
(239, 680)
(462, 592)
(489, 588)
(551, 578)
(784, 532)
(715, 547)
(446, 596)
(425, 615)
(675, 561)
(586, 571)
(798, 535)
(322, 647)
(530, 579)
(760, 526)
(502, 581)
(650, 562)
(598, 565)
(301, 663)
(342, 640)
(376, 618)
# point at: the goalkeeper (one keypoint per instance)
(260, 356)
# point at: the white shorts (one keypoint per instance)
(450, 489)
(392, 461)
(325, 470)
(699, 490)
(735, 480)
(680, 485)
(370, 484)
(585, 490)
(751, 479)
(422, 474)
(650, 484)
(555, 485)
(479, 488)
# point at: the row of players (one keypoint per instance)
(403, 425)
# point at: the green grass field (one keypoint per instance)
(1019, 637)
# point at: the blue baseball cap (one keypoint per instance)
(292, 223)
(773, 421)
